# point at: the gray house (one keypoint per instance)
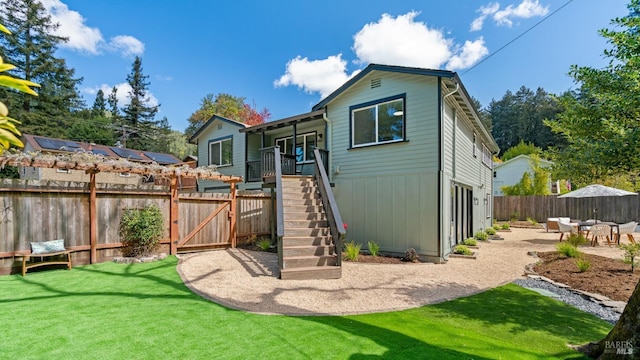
(408, 159)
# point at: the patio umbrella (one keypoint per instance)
(596, 190)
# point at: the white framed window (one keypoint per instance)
(378, 122)
(486, 156)
(475, 145)
(221, 151)
(487, 204)
(304, 146)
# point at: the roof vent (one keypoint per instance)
(376, 83)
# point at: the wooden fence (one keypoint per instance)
(619, 209)
(61, 211)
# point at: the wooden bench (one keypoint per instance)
(27, 256)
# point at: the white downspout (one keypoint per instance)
(442, 196)
(327, 143)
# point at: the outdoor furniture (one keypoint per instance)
(628, 229)
(564, 226)
(552, 223)
(586, 226)
(600, 230)
(46, 249)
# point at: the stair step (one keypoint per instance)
(312, 273)
(304, 215)
(293, 224)
(294, 251)
(296, 209)
(299, 196)
(309, 261)
(301, 202)
(302, 232)
(305, 241)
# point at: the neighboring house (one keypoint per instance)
(510, 173)
(43, 144)
(410, 161)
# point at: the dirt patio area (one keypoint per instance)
(246, 280)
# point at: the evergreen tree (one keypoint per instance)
(112, 100)
(139, 114)
(99, 104)
(31, 47)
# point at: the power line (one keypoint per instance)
(517, 37)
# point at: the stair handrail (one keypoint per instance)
(334, 219)
(279, 201)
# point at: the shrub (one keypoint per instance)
(514, 216)
(532, 221)
(141, 230)
(583, 265)
(567, 250)
(352, 250)
(631, 251)
(490, 231)
(374, 248)
(576, 240)
(462, 249)
(470, 242)
(264, 244)
(497, 227)
(505, 226)
(481, 235)
(410, 255)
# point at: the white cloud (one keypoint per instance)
(127, 45)
(401, 41)
(122, 93)
(84, 38)
(484, 11)
(470, 53)
(391, 41)
(323, 76)
(72, 26)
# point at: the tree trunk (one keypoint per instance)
(623, 341)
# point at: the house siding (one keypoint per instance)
(238, 161)
(388, 193)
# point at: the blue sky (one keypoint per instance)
(285, 55)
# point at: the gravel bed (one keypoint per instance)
(569, 297)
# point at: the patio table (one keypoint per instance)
(582, 225)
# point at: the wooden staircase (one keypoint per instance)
(307, 248)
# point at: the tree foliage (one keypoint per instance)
(519, 117)
(521, 148)
(228, 106)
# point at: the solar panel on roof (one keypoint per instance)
(161, 158)
(126, 153)
(100, 152)
(55, 144)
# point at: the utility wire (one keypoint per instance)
(517, 37)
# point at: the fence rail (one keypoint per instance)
(619, 209)
(32, 211)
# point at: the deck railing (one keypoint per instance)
(334, 219)
(254, 171)
(286, 162)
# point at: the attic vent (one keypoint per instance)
(376, 83)
(219, 126)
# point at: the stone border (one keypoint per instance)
(144, 259)
(473, 256)
(617, 306)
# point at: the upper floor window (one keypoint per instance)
(475, 145)
(378, 122)
(486, 156)
(221, 151)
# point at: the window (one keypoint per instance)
(304, 146)
(379, 122)
(221, 152)
(475, 146)
(486, 156)
(487, 204)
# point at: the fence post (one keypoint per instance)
(233, 216)
(173, 216)
(93, 219)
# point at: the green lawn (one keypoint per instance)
(144, 311)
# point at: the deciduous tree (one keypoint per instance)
(228, 106)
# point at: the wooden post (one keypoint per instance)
(233, 216)
(93, 220)
(173, 216)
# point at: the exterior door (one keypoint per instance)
(461, 213)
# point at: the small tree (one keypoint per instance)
(141, 230)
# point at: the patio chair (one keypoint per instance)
(564, 226)
(600, 230)
(588, 228)
(628, 229)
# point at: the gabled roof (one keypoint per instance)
(461, 95)
(519, 157)
(60, 146)
(314, 115)
(210, 121)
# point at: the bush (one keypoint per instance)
(470, 242)
(505, 226)
(532, 221)
(410, 255)
(462, 250)
(264, 244)
(141, 230)
(631, 251)
(490, 231)
(514, 216)
(352, 250)
(374, 248)
(481, 235)
(576, 240)
(497, 227)
(583, 265)
(567, 250)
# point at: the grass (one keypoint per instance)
(144, 311)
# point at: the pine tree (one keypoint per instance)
(99, 105)
(139, 114)
(112, 100)
(31, 47)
